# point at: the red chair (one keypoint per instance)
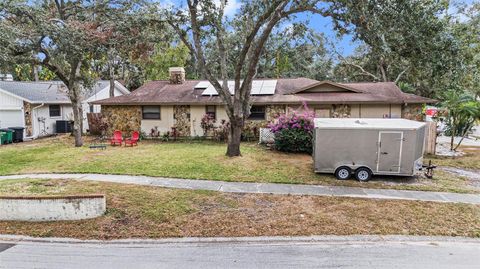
(117, 138)
(132, 141)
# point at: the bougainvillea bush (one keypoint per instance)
(294, 131)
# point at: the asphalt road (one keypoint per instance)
(347, 253)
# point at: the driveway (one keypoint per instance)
(263, 252)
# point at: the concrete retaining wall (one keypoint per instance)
(49, 208)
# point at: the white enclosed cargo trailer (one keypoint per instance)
(366, 147)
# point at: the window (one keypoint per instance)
(92, 109)
(257, 113)
(212, 111)
(151, 112)
(54, 111)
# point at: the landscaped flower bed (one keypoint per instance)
(294, 131)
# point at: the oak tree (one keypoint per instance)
(204, 21)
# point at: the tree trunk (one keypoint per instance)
(111, 70)
(234, 137)
(112, 86)
(81, 117)
(452, 134)
(77, 122)
(383, 71)
(465, 133)
(35, 73)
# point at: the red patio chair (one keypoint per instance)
(117, 138)
(132, 141)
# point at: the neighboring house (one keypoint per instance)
(182, 103)
(37, 106)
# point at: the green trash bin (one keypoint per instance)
(3, 138)
(9, 135)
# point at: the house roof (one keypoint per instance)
(287, 91)
(45, 91)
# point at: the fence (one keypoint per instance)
(266, 136)
(430, 137)
(94, 123)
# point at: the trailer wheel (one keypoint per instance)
(343, 173)
(363, 174)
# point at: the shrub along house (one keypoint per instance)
(182, 103)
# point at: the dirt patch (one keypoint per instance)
(472, 175)
(444, 150)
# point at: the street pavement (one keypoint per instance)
(263, 252)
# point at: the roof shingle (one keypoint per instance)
(46, 91)
(162, 92)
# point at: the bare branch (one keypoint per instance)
(401, 74)
(250, 38)
(222, 92)
(359, 67)
(220, 33)
(277, 15)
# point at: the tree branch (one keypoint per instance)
(277, 15)
(249, 40)
(198, 49)
(359, 67)
(54, 68)
(220, 33)
(401, 74)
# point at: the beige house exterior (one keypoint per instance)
(180, 104)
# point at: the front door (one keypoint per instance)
(389, 152)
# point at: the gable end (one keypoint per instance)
(325, 86)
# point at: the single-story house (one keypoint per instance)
(182, 103)
(37, 106)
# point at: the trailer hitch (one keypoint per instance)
(429, 169)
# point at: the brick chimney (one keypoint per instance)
(177, 75)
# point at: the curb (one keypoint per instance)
(248, 240)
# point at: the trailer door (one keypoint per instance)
(389, 152)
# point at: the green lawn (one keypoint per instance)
(196, 160)
(471, 159)
(153, 212)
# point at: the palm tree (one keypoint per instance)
(463, 112)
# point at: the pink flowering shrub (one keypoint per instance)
(294, 131)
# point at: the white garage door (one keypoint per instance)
(11, 118)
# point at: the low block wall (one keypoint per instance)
(50, 208)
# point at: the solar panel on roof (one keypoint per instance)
(259, 87)
(256, 87)
(268, 87)
(202, 85)
(210, 90)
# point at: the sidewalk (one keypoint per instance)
(269, 188)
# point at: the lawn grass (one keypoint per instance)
(196, 160)
(471, 159)
(153, 212)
